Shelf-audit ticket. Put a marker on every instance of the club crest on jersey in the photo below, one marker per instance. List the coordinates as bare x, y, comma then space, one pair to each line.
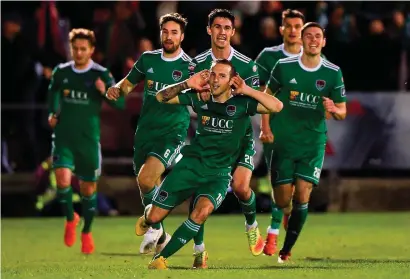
150, 84
205, 120
176, 75
320, 84
231, 110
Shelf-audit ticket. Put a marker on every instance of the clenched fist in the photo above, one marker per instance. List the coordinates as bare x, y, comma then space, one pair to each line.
113, 93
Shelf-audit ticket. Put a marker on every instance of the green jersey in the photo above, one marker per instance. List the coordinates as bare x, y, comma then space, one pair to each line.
302, 119
74, 97
221, 129
244, 66
159, 120
267, 59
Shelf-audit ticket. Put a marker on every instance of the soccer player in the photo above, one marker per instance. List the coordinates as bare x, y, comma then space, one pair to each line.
162, 129
221, 28
309, 87
76, 92
292, 23
205, 169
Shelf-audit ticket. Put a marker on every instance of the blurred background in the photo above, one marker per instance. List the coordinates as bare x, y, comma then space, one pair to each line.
367, 166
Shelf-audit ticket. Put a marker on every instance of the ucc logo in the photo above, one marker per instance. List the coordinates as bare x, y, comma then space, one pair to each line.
217, 122
304, 97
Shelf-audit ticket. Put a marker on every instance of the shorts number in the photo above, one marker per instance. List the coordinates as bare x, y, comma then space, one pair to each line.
219, 199
316, 173
249, 159
166, 154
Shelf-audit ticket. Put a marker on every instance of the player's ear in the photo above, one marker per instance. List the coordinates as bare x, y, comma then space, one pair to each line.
92, 50
233, 31
182, 36
324, 42
208, 30
281, 30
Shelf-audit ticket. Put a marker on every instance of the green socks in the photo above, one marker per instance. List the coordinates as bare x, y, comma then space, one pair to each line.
249, 209
89, 205
296, 221
147, 199
276, 218
181, 236
65, 196
199, 237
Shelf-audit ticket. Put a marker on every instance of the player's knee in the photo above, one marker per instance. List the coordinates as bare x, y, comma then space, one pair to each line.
154, 216
88, 188
63, 177
145, 182
241, 189
283, 202
200, 214
302, 193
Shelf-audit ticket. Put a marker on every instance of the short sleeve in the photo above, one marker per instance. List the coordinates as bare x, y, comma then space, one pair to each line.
137, 73
338, 93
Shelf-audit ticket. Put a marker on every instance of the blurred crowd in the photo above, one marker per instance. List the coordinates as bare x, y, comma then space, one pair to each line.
370, 41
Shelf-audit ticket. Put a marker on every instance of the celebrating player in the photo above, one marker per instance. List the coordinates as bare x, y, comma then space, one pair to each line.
292, 23
221, 29
205, 169
309, 87
76, 91
162, 129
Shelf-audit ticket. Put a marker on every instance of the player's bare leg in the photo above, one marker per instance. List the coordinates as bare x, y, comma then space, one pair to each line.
287, 211
148, 179
89, 205
282, 196
298, 217
246, 197
65, 196
203, 208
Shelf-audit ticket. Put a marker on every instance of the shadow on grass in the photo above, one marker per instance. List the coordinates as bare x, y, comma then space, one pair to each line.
266, 267
359, 261
111, 254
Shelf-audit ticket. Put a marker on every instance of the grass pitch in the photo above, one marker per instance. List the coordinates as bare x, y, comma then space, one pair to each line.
331, 246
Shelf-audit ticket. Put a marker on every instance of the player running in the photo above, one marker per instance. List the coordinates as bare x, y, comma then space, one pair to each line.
292, 23
309, 87
205, 169
162, 129
76, 92
221, 29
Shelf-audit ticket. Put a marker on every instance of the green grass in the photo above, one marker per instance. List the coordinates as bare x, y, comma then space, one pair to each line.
331, 246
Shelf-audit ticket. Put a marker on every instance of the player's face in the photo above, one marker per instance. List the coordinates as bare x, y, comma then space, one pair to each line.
291, 30
313, 41
81, 51
171, 37
221, 32
219, 79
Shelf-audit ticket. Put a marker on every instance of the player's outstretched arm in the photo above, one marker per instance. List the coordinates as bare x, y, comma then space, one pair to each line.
169, 95
54, 98
338, 110
267, 102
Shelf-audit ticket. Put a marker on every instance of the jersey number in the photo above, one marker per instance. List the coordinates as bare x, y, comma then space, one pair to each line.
249, 159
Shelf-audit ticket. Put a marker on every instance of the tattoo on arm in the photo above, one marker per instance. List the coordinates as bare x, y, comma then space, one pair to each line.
173, 90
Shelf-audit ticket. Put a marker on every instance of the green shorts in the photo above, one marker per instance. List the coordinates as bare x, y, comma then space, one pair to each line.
165, 150
246, 157
184, 182
83, 158
267, 152
300, 163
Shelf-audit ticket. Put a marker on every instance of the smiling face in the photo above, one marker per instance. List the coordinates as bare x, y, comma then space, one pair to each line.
171, 37
313, 41
221, 32
220, 78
